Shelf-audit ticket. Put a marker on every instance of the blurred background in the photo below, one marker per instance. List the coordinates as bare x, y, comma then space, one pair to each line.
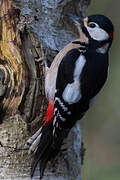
101, 125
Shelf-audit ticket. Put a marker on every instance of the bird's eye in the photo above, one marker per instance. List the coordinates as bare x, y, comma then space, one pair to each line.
92, 25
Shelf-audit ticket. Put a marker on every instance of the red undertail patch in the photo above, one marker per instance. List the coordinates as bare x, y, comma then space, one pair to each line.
49, 113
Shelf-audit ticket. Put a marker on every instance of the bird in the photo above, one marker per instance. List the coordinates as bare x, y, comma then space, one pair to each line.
72, 82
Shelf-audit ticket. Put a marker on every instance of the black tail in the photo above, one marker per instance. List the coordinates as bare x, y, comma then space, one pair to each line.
43, 150
45, 146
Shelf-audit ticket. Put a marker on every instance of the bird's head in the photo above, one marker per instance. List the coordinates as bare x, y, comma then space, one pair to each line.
97, 27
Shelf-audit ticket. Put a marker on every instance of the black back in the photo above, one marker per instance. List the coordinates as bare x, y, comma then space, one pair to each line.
92, 79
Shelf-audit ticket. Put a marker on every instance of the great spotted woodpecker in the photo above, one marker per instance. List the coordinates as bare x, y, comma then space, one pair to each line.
75, 77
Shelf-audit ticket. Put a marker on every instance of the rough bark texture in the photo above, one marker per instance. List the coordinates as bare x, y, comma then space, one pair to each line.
27, 29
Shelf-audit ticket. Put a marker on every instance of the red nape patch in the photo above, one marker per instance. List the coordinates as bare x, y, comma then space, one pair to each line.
49, 113
111, 35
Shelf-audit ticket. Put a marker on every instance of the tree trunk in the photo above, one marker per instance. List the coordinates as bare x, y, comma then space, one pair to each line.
29, 32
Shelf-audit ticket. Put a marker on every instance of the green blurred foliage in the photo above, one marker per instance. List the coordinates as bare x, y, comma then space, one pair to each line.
101, 125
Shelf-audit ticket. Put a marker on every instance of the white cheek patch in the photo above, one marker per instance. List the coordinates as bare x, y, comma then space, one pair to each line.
71, 93
97, 33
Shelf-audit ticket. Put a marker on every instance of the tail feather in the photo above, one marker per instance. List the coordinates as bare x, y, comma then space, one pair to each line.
42, 167
34, 145
46, 147
33, 138
43, 151
37, 157
33, 166
45, 160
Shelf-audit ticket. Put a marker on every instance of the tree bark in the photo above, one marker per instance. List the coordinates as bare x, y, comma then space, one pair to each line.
29, 32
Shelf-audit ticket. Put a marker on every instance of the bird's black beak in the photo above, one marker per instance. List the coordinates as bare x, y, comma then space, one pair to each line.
77, 20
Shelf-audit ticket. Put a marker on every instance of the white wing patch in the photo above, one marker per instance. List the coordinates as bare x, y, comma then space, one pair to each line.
71, 93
